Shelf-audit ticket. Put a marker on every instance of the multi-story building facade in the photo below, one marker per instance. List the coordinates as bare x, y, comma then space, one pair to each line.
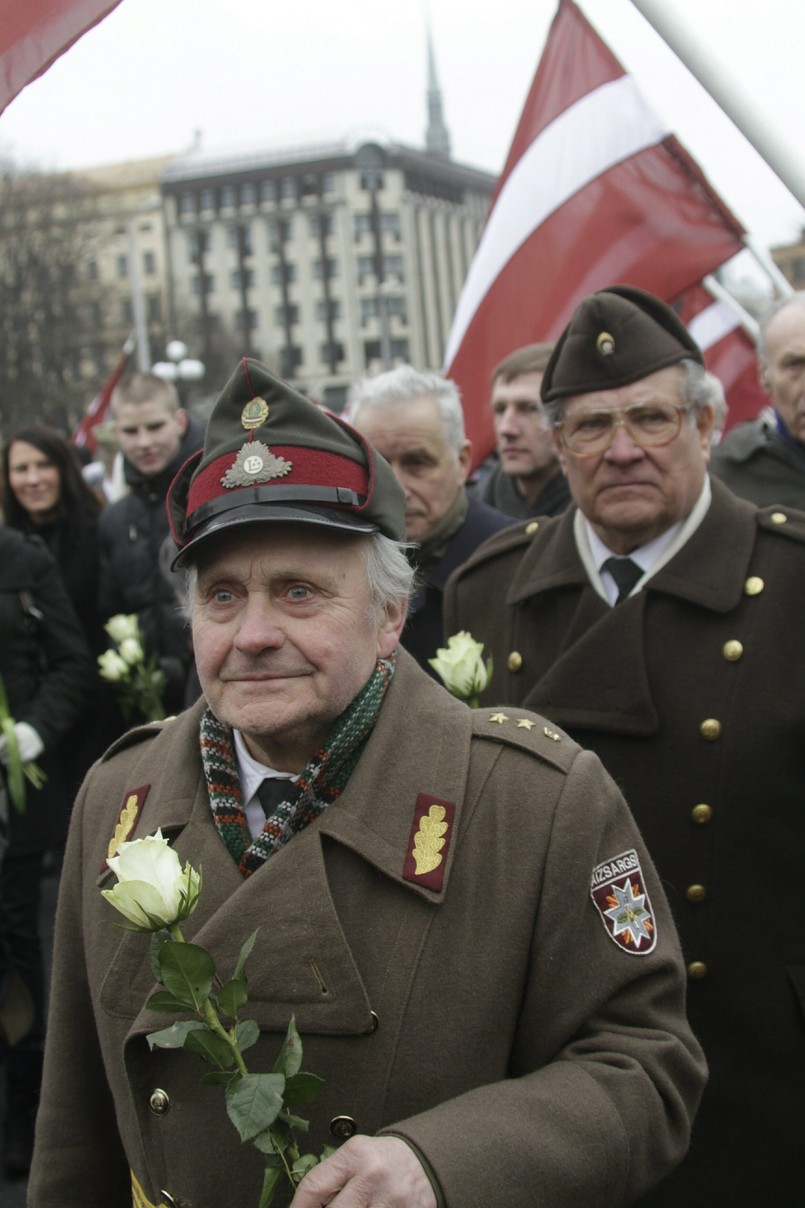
326, 262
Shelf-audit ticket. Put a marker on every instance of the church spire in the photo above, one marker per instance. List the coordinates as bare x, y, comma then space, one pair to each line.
437, 136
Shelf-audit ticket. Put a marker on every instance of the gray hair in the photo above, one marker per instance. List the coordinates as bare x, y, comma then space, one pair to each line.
696, 391
795, 299
389, 576
406, 384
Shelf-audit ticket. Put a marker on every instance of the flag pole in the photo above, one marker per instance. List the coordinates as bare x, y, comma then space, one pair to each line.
721, 294
726, 94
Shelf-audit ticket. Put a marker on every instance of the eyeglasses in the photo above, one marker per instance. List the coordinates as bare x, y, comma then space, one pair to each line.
587, 433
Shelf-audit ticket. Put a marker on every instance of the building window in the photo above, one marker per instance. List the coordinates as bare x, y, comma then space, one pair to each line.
127, 310
393, 267
149, 264
197, 241
321, 309
291, 360
288, 188
247, 320
328, 182
368, 310
209, 283
122, 266
243, 280
328, 267
289, 274
187, 203
240, 237
208, 199
154, 304
389, 224
321, 224
280, 232
399, 350
92, 270
286, 314
362, 224
397, 306
228, 197
328, 352
366, 268
268, 190
248, 194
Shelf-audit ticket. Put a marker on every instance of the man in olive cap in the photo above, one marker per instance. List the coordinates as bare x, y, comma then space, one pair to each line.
659, 621
456, 906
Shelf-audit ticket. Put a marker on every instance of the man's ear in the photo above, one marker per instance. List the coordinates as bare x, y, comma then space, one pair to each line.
763, 376
465, 458
559, 445
182, 420
390, 628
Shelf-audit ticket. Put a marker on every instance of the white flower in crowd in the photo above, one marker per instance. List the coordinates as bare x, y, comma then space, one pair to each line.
122, 626
152, 891
131, 651
461, 667
112, 666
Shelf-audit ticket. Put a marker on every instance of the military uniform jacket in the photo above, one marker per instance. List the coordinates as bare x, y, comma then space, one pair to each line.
693, 694
760, 465
491, 1019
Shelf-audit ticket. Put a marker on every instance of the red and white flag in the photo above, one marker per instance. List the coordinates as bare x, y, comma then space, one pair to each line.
729, 351
98, 410
35, 32
595, 192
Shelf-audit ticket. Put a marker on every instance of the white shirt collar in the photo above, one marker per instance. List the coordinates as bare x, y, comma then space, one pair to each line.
252, 773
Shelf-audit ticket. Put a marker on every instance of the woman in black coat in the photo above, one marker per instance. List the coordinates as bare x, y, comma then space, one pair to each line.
44, 493
48, 674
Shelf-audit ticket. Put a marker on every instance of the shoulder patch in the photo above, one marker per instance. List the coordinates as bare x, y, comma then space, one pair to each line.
783, 521
528, 731
620, 896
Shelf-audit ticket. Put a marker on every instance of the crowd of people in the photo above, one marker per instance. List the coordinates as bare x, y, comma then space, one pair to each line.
514, 939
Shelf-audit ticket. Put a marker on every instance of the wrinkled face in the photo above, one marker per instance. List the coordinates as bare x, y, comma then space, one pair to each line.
35, 481
524, 440
631, 495
411, 437
285, 635
782, 373
149, 434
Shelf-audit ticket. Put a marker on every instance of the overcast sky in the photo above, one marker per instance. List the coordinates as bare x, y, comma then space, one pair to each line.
252, 72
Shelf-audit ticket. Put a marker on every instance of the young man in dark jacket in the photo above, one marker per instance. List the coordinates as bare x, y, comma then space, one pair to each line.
156, 437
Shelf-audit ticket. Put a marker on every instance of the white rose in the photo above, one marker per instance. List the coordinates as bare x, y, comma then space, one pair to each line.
461, 666
131, 651
122, 626
112, 667
152, 890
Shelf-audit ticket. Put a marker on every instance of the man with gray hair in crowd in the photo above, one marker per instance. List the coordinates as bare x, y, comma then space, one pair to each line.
659, 622
416, 422
763, 460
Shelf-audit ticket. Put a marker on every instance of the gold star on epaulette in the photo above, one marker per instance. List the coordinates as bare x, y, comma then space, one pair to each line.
525, 723
498, 718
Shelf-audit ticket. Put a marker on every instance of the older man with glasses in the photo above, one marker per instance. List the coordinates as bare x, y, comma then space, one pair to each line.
659, 621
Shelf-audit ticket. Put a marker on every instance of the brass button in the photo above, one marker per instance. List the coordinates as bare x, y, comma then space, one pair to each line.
753, 586
702, 813
166, 1199
710, 729
343, 1127
159, 1102
514, 661
732, 650
532, 528
697, 970
695, 893
778, 518
374, 1025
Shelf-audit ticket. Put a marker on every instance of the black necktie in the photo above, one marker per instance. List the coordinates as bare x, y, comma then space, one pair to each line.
625, 572
272, 792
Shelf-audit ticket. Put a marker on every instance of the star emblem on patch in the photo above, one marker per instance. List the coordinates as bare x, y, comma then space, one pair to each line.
255, 463
618, 891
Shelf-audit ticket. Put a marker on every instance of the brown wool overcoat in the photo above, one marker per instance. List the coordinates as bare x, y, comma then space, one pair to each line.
527, 1056
692, 693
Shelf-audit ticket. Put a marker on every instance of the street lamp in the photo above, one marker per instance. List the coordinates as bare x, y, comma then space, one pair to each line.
178, 368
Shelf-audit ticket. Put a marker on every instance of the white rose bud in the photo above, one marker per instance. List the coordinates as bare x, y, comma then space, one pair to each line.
112, 667
152, 889
461, 666
131, 651
122, 626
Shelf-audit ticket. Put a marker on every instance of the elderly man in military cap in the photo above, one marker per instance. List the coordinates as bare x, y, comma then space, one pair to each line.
659, 622
455, 905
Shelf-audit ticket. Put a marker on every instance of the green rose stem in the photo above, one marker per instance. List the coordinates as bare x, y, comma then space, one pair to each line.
211, 1017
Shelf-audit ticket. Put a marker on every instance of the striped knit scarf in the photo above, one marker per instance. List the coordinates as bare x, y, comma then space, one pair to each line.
318, 785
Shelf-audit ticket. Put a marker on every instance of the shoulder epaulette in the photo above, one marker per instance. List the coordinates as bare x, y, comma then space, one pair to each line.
784, 521
528, 732
133, 738
516, 536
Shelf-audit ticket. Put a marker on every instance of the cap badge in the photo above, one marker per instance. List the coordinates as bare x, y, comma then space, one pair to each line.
254, 414
255, 463
605, 344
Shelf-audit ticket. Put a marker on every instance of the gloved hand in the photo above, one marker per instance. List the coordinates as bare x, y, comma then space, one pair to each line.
28, 741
